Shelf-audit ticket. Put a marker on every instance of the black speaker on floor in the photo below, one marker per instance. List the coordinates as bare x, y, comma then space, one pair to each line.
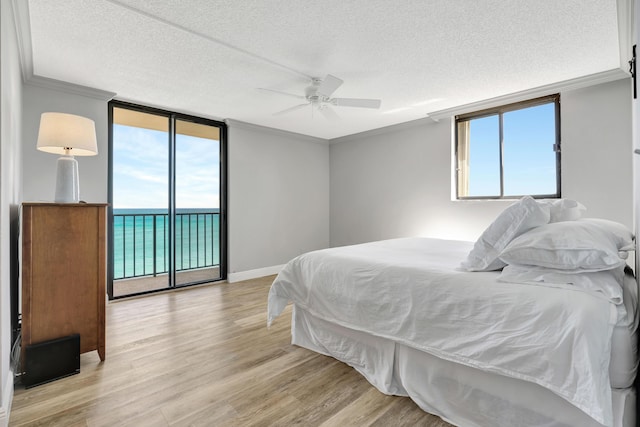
50, 360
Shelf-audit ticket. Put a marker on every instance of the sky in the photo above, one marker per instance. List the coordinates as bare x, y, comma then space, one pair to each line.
529, 157
140, 170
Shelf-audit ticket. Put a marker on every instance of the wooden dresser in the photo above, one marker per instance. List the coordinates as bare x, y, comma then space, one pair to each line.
64, 273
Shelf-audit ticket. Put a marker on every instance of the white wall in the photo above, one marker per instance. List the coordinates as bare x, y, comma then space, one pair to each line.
278, 197
597, 150
40, 167
10, 192
396, 182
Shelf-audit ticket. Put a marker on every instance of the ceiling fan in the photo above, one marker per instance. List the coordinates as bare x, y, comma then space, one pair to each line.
318, 95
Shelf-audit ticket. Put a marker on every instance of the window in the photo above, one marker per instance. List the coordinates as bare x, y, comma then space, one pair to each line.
509, 151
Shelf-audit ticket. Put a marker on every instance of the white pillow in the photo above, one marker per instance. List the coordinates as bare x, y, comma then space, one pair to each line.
564, 209
521, 216
607, 284
577, 246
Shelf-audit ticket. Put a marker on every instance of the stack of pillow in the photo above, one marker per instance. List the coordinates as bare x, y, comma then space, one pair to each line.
547, 243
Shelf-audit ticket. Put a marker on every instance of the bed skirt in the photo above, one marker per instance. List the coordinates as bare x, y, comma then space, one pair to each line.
459, 394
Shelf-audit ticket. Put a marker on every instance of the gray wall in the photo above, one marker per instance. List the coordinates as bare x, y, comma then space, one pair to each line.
289, 193
397, 182
40, 167
278, 196
10, 193
278, 181
597, 150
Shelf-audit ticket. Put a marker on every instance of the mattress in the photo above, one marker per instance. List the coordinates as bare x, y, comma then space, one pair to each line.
624, 340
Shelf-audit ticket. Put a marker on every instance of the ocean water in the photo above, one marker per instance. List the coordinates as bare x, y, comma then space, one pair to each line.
141, 240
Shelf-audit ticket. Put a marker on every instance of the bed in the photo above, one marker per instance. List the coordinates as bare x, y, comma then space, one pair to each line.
475, 347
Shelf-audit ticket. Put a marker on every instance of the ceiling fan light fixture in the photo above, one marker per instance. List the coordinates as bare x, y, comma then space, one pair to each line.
318, 95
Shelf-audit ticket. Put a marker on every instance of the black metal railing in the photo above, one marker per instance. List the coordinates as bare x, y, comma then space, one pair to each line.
141, 243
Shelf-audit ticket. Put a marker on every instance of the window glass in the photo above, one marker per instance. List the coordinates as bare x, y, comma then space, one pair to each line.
484, 156
509, 151
529, 156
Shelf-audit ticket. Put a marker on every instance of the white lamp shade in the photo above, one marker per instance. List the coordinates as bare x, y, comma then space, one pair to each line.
62, 133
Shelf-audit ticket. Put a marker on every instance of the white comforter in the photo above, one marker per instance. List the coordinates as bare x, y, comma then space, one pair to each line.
411, 291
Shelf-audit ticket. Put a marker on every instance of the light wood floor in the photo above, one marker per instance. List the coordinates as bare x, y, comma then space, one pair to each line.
204, 357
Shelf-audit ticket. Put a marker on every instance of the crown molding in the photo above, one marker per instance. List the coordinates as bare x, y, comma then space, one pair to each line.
23, 33
25, 53
625, 9
168, 109
563, 86
61, 86
232, 123
380, 131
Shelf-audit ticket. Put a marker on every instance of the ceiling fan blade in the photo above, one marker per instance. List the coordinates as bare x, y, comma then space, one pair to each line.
329, 85
282, 93
290, 109
356, 102
329, 113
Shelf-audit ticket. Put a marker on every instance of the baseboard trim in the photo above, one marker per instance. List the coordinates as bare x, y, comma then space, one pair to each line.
254, 274
7, 399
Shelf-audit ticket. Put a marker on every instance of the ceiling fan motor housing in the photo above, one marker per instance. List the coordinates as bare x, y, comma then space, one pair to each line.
311, 92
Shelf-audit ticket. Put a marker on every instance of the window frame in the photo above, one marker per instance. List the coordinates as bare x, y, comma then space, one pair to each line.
173, 117
500, 111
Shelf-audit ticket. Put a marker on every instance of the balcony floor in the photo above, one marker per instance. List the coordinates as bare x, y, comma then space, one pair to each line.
124, 287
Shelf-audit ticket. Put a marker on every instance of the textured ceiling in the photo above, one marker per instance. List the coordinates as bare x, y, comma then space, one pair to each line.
209, 57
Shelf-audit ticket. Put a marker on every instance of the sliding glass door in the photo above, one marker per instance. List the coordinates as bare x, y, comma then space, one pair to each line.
197, 201
167, 200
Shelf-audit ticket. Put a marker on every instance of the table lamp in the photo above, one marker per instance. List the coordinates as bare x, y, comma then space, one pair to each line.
68, 135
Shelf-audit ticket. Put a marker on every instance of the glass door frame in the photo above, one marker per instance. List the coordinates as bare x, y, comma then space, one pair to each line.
172, 117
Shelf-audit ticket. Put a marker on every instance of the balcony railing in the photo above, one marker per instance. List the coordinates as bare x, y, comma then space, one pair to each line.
141, 243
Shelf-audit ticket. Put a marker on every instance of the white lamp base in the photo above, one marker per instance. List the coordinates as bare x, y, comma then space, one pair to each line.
67, 185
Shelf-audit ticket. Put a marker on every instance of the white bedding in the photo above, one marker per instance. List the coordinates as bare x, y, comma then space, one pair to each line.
459, 394
410, 291
624, 341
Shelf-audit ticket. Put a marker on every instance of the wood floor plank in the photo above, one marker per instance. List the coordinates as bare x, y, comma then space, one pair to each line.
362, 411
204, 357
